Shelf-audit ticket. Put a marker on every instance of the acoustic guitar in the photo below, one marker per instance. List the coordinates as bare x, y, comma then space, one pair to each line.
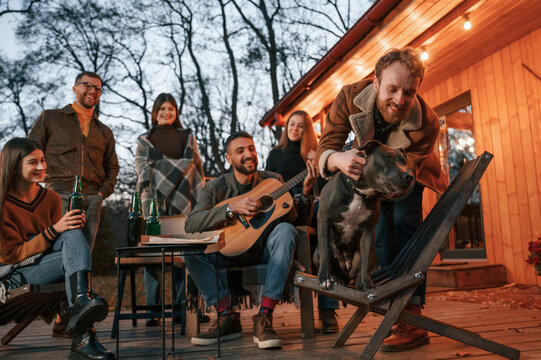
276, 202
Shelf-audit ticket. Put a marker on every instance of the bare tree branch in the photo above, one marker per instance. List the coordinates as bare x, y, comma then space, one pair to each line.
234, 73
269, 43
176, 62
8, 10
205, 103
137, 77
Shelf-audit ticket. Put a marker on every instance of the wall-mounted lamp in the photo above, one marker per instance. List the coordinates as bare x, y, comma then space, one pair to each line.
424, 53
467, 22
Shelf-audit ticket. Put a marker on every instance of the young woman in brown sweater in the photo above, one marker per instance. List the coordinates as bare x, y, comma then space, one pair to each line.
38, 245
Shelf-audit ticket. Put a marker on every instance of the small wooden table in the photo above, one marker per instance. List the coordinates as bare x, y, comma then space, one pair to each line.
163, 251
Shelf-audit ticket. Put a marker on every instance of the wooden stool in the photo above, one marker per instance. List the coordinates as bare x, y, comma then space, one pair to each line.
131, 264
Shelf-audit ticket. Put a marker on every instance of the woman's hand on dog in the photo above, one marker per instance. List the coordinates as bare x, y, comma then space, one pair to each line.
350, 163
245, 206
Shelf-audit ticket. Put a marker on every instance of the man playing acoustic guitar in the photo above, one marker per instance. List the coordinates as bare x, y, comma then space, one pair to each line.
275, 250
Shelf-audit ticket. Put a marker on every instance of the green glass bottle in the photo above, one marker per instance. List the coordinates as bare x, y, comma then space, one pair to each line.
141, 219
76, 197
136, 222
153, 223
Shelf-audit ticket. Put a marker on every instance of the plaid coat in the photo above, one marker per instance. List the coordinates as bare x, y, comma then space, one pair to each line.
174, 183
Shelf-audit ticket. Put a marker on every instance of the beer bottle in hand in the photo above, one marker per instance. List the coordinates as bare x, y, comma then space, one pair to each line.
136, 222
76, 197
153, 223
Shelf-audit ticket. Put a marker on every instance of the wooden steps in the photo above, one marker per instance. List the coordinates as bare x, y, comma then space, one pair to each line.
466, 276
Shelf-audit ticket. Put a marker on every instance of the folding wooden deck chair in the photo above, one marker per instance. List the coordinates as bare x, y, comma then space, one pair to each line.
27, 302
397, 282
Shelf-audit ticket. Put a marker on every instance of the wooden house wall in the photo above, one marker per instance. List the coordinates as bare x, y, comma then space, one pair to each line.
506, 103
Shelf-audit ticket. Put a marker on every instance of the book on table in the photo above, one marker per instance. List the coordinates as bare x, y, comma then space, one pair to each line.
213, 239
208, 237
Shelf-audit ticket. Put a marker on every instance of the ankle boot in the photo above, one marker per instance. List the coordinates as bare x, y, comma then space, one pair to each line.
85, 346
406, 336
86, 309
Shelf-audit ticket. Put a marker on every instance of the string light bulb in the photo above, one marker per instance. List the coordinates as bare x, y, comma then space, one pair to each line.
467, 22
424, 54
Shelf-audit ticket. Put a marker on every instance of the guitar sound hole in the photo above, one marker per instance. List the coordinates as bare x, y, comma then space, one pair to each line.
266, 202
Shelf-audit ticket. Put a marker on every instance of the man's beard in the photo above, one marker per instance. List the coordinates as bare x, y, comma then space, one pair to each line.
391, 118
88, 104
240, 168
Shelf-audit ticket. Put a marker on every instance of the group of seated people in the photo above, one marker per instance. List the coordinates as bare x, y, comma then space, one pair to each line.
41, 242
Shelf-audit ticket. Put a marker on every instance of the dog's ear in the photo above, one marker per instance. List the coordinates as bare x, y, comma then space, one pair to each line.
361, 153
369, 146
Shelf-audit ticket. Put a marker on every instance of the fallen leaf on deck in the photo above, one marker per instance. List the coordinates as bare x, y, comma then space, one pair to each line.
462, 353
516, 329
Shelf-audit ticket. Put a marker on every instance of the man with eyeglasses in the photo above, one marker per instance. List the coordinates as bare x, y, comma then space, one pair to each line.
77, 143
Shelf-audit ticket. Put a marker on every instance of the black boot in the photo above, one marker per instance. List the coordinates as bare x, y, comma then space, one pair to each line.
85, 346
86, 310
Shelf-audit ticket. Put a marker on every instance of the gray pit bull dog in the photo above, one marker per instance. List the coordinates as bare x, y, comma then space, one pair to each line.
348, 214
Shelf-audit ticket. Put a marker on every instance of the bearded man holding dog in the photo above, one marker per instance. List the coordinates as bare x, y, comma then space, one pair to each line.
389, 109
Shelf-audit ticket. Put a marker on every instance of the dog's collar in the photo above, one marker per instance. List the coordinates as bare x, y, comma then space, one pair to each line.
365, 194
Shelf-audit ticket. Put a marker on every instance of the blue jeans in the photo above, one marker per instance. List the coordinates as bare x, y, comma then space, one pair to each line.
152, 276
68, 254
277, 254
92, 207
397, 223
327, 303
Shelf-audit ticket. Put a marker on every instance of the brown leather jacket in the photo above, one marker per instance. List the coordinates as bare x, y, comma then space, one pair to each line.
68, 154
353, 110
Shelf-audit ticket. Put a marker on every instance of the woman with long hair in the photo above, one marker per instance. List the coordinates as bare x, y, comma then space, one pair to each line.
40, 246
296, 147
294, 152
170, 170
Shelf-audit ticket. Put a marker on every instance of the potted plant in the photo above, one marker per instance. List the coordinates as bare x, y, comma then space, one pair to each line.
534, 247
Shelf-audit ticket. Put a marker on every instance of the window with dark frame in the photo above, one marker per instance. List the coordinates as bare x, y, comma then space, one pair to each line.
456, 146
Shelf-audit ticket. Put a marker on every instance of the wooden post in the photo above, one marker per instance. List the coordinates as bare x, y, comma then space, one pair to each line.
305, 295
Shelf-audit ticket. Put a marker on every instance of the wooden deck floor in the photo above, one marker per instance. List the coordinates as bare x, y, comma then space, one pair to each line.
518, 328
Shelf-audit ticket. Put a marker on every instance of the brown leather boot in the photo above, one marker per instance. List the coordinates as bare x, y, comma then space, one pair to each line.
62, 319
406, 337
59, 328
329, 324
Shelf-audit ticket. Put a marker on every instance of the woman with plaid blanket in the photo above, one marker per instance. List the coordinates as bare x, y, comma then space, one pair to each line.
170, 170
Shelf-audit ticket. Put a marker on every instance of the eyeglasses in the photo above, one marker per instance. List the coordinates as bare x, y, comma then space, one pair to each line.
90, 86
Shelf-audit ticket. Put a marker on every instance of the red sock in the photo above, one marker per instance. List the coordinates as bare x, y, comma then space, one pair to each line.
224, 305
267, 305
